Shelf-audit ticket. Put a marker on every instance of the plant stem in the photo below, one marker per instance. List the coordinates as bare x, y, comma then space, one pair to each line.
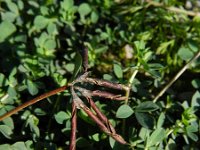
73, 127
173, 9
176, 77
33, 101
128, 93
130, 84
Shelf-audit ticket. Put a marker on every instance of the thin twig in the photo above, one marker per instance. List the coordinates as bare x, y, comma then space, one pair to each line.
73, 127
33, 101
176, 77
173, 9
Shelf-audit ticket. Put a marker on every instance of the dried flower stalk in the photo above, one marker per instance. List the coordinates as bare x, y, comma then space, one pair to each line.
73, 127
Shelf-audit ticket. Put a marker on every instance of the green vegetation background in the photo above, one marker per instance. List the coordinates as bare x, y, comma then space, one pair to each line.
139, 43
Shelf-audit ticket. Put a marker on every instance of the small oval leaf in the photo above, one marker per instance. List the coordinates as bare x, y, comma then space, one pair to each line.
118, 71
124, 111
32, 87
145, 120
61, 117
6, 131
157, 136
147, 106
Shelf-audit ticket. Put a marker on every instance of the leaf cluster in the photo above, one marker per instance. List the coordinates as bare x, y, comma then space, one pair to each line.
142, 44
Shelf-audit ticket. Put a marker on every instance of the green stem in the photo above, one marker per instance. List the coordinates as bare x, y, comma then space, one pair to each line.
128, 93
173, 9
176, 77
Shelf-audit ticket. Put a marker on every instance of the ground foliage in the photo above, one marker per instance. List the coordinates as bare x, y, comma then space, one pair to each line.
137, 43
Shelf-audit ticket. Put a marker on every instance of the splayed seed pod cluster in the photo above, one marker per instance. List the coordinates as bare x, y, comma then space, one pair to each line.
96, 115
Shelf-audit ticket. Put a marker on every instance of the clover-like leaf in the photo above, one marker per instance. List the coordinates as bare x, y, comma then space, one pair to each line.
124, 111
146, 106
7, 28
118, 71
32, 87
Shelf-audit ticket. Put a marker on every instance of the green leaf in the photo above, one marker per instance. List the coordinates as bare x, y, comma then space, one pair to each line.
33, 122
108, 77
84, 9
185, 53
144, 119
94, 17
193, 45
52, 29
3, 80
118, 71
32, 87
196, 99
156, 137
8, 28
67, 4
192, 128
12, 92
40, 22
195, 83
124, 111
50, 44
19, 146
193, 136
70, 67
140, 45
5, 147
96, 137
146, 106
144, 133
6, 131
12, 6
9, 122
161, 120
61, 116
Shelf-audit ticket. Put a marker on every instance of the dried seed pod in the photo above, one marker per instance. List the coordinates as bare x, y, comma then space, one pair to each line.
76, 99
104, 94
101, 125
95, 118
107, 84
118, 138
101, 115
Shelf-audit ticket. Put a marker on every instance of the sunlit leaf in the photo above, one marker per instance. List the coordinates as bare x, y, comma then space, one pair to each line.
185, 53
157, 136
32, 87
118, 71
6, 131
40, 22
124, 111
61, 117
84, 9
8, 29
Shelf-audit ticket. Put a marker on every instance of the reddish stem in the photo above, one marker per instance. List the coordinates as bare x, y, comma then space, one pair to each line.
33, 101
73, 127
